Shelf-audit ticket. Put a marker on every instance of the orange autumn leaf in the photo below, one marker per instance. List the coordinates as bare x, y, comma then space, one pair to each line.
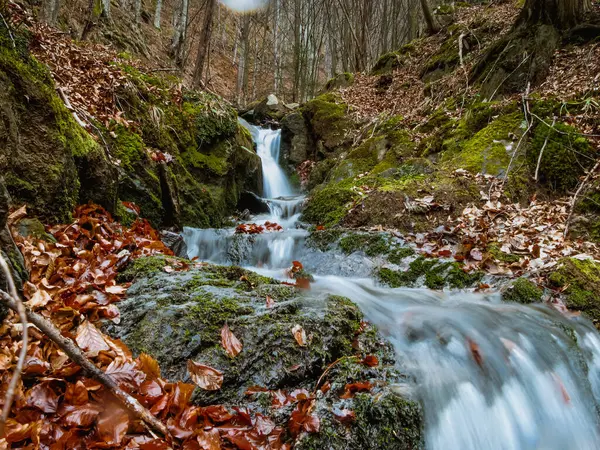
205, 377
230, 343
370, 361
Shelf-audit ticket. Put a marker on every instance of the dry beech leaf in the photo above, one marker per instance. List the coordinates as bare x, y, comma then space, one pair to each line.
230, 343
270, 302
299, 335
117, 290
205, 377
38, 299
90, 339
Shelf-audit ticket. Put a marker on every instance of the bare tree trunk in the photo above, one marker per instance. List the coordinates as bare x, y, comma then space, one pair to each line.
243, 66
95, 8
432, 26
562, 14
204, 44
106, 9
157, 12
137, 9
179, 34
50, 9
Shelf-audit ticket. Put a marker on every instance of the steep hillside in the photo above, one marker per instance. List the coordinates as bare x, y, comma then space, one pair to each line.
128, 136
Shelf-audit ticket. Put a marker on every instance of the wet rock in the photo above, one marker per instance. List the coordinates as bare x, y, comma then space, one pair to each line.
178, 316
253, 203
266, 111
296, 140
175, 242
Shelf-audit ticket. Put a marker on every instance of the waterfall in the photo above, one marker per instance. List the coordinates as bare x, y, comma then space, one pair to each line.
268, 144
489, 375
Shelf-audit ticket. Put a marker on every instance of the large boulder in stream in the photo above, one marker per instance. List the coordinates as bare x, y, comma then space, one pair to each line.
179, 316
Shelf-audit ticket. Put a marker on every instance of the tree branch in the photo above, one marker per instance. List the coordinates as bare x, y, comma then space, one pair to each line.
77, 356
20, 309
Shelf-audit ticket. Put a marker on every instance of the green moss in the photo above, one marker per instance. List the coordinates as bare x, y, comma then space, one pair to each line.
371, 244
580, 280
566, 155
329, 120
398, 255
522, 291
145, 267
328, 206
323, 239
486, 152
341, 80
498, 254
435, 275
128, 147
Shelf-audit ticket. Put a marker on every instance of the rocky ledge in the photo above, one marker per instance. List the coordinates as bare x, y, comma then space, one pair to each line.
178, 316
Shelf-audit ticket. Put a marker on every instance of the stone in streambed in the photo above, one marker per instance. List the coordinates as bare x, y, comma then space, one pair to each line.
178, 316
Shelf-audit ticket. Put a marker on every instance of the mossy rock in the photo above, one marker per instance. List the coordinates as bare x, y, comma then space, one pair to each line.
372, 244
50, 162
176, 317
391, 61
431, 273
328, 206
567, 155
328, 120
490, 150
580, 280
341, 80
522, 291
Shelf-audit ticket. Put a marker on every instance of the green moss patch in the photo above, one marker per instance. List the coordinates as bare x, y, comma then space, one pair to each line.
522, 291
433, 273
580, 281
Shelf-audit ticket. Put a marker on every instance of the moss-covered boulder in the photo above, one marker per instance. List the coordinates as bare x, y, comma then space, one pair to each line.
341, 80
579, 282
178, 316
267, 111
213, 159
328, 120
48, 161
522, 291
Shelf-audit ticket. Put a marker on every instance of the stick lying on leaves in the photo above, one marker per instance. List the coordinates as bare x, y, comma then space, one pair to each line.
20, 309
77, 356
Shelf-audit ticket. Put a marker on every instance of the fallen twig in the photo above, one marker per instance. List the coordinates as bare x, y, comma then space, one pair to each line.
77, 356
20, 309
539, 161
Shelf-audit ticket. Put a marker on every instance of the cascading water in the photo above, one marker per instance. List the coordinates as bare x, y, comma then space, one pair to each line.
490, 375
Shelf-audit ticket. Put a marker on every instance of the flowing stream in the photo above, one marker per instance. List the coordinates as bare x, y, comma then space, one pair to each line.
490, 375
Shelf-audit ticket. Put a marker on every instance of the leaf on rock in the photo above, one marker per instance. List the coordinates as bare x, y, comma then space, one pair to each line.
149, 366
230, 343
205, 377
370, 361
352, 388
302, 419
299, 335
344, 416
270, 302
